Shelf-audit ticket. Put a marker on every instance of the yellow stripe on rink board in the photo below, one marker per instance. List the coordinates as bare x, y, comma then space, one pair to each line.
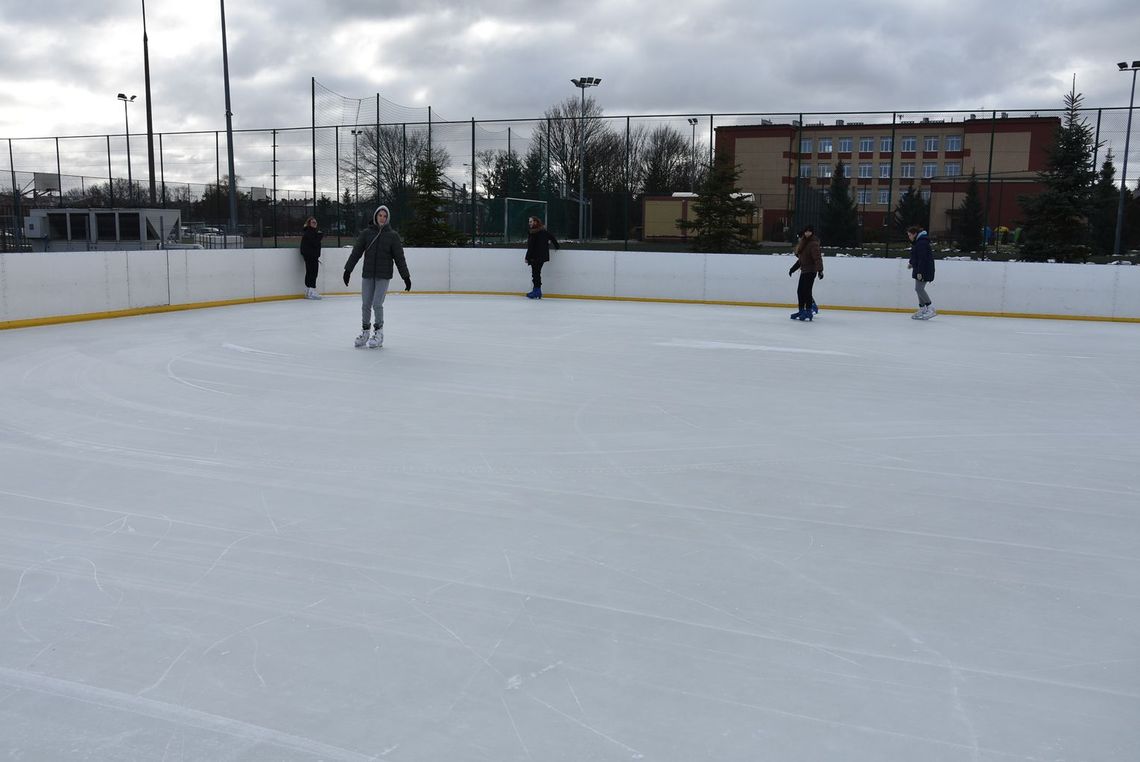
789, 305
85, 316
57, 319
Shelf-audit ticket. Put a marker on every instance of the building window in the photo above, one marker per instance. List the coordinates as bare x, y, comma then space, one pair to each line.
865, 169
929, 169
953, 142
129, 229
824, 170
863, 196
825, 145
106, 227
866, 145
79, 226
925, 193
57, 226
805, 145
910, 143
884, 170
886, 145
805, 170
907, 169
884, 196
953, 168
930, 143
845, 145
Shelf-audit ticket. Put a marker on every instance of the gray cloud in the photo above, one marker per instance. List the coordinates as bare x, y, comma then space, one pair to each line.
666, 56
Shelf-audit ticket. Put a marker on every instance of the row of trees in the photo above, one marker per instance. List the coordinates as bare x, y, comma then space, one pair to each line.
656, 160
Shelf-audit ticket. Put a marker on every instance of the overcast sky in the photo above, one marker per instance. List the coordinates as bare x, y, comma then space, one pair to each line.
63, 61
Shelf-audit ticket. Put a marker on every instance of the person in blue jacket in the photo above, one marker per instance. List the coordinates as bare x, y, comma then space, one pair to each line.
921, 266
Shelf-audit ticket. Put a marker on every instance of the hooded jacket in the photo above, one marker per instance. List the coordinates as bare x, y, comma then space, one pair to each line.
922, 258
381, 248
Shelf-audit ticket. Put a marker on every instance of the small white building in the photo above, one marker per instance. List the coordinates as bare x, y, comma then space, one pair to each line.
102, 229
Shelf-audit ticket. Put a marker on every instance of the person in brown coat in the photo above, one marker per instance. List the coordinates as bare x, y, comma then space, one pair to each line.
809, 261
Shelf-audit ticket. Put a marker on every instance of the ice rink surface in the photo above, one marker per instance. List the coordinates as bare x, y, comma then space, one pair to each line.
569, 530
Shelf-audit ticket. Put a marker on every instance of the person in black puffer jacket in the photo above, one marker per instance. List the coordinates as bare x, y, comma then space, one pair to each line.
311, 252
538, 245
921, 266
381, 248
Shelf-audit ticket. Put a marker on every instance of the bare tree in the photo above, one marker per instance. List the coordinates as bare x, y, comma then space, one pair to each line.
665, 161
384, 160
566, 125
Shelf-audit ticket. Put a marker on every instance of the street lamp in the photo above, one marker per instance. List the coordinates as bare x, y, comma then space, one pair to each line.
693, 155
582, 83
1123, 66
127, 122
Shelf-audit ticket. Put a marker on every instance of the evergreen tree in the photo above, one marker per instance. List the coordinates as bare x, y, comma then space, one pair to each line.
428, 224
911, 210
723, 218
971, 217
1056, 220
840, 218
1102, 215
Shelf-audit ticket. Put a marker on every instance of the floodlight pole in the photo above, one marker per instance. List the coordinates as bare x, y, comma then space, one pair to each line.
229, 124
1124, 171
693, 155
127, 127
149, 118
582, 83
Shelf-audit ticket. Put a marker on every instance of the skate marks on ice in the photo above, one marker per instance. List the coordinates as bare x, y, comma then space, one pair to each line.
700, 344
179, 715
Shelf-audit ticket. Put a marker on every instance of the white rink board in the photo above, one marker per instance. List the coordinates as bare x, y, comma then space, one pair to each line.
57, 284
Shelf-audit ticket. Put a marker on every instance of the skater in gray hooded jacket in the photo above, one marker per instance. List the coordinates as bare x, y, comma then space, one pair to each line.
381, 248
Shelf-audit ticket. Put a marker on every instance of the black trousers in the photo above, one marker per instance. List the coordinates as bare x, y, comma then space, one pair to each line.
803, 292
536, 273
311, 265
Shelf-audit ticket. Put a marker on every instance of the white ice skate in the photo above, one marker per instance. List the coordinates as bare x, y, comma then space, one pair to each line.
929, 313
376, 340
361, 340
919, 315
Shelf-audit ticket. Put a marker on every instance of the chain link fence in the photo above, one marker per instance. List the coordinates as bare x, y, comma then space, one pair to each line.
590, 176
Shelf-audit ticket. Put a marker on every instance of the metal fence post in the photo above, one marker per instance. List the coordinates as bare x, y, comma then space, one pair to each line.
16, 197
989, 178
110, 178
58, 174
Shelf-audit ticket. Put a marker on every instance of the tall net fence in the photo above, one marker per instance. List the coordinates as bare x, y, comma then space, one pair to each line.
593, 177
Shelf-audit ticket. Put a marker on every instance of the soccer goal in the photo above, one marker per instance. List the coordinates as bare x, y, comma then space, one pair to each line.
516, 211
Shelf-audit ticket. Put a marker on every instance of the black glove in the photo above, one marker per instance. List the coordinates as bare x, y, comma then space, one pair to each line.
408, 284
347, 274
792, 270
821, 275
